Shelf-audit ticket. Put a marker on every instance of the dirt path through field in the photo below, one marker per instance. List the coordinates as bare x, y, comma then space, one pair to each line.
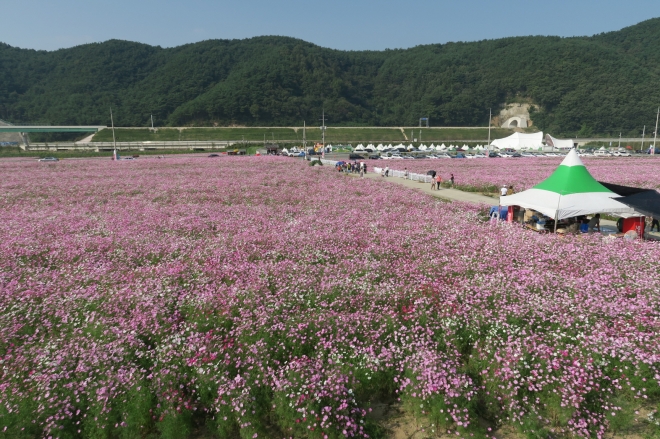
449, 194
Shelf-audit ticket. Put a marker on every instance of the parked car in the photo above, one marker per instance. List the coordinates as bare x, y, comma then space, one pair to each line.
493, 155
355, 157
459, 155
443, 155
214, 155
602, 153
374, 157
527, 154
49, 159
516, 154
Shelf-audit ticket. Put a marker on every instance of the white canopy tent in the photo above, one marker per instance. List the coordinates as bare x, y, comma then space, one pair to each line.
558, 143
519, 141
570, 191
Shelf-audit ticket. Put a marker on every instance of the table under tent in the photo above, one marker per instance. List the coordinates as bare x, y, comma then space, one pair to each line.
569, 193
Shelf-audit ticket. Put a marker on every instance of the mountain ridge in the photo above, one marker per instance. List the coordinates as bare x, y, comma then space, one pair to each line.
604, 83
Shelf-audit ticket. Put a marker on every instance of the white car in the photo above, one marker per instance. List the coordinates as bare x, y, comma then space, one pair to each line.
443, 155
527, 154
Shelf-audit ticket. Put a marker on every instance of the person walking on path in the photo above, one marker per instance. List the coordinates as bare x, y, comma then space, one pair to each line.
452, 180
510, 190
503, 191
438, 181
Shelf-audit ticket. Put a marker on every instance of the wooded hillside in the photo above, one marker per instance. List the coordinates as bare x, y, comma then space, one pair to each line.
603, 84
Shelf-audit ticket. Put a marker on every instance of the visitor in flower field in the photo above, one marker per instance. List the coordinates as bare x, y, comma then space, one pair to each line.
432, 174
503, 191
452, 180
594, 223
387, 171
438, 181
510, 190
405, 173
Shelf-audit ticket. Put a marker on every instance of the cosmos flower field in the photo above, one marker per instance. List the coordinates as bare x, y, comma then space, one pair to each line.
261, 297
523, 173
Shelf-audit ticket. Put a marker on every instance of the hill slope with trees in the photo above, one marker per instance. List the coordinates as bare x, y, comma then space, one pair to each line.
604, 84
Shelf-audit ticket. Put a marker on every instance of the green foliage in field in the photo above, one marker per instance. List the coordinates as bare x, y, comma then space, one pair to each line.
603, 84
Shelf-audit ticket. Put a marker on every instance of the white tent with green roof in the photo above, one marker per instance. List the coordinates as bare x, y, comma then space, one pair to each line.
570, 191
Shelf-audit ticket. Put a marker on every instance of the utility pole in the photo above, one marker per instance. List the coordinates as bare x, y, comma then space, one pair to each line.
619, 141
490, 116
643, 132
114, 140
305, 137
655, 134
152, 122
323, 134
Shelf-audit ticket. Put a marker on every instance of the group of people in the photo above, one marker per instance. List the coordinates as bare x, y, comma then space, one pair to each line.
436, 180
504, 191
576, 224
352, 168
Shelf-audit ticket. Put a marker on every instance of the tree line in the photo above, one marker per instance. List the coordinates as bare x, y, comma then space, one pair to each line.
604, 84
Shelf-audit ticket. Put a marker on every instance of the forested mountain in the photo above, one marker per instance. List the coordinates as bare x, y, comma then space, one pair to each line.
605, 84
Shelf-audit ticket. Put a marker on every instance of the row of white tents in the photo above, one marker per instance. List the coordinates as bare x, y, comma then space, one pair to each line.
516, 141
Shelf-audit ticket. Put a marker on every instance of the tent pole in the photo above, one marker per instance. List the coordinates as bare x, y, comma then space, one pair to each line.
557, 213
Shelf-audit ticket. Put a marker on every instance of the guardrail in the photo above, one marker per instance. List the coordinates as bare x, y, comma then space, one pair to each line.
133, 145
405, 174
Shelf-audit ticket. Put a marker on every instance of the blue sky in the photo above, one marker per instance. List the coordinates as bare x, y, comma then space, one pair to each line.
338, 24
